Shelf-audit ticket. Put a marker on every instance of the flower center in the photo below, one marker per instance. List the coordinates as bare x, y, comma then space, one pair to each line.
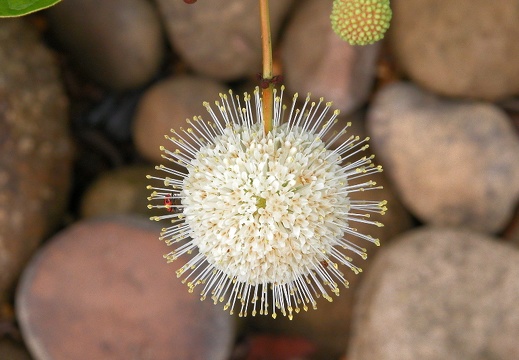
261, 203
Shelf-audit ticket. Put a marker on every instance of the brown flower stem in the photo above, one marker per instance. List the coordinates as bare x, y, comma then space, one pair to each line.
266, 42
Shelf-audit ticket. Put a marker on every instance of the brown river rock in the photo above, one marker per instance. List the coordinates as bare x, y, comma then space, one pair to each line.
118, 43
120, 191
101, 289
35, 148
165, 106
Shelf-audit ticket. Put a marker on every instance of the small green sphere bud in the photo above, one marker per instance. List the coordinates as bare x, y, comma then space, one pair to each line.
361, 22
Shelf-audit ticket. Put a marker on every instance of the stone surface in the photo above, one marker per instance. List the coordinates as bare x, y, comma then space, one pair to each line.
317, 60
220, 38
166, 106
452, 162
35, 149
328, 327
105, 285
439, 293
117, 43
462, 48
120, 191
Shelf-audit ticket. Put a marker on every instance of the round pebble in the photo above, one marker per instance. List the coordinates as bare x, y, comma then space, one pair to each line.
220, 38
452, 162
166, 106
117, 43
439, 293
102, 290
462, 48
120, 191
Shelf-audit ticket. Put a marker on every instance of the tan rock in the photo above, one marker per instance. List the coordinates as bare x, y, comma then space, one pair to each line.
166, 106
105, 285
220, 38
439, 293
465, 48
452, 162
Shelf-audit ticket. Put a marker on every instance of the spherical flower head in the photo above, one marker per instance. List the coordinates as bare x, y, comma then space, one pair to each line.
264, 215
361, 22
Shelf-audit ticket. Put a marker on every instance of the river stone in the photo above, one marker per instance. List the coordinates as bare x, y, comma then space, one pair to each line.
166, 106
452, 162
35, 147
317, 60
119, 191
220, 38
105, 284
464, 48
328, 327
117, 43
439, 293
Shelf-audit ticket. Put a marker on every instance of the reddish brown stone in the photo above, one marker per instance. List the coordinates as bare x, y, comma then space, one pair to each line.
101, 290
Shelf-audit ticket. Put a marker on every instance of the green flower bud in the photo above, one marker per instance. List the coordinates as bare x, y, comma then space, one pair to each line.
361, 22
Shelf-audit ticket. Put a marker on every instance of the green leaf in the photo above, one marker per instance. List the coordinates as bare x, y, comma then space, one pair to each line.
12, 8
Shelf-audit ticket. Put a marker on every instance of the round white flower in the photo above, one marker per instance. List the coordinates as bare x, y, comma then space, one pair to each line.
265, 214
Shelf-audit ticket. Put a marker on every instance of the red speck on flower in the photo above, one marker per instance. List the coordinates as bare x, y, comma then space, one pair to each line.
168, 203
